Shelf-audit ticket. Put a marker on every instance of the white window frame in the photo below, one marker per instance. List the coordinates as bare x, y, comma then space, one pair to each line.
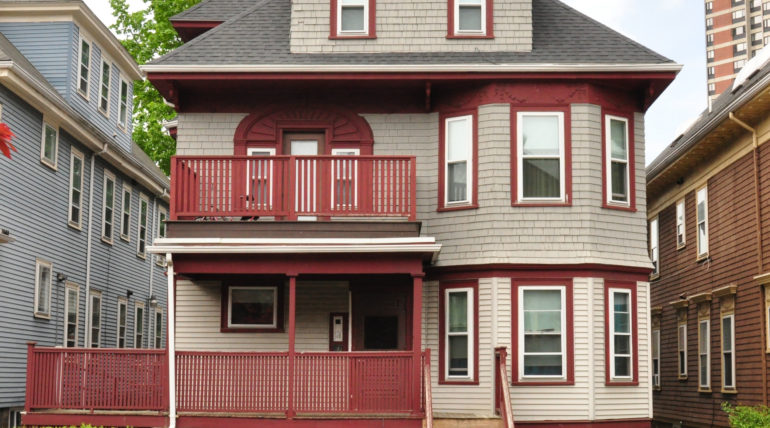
681, 350
158, 329
655, 246
731, 351
139, 335
482, 4
125, 215
71, 287
707, 354
702, 247
108, 63
655, 369
230, 324
681, 222
94, 294
108, 176
39, 265
471, 328
352, 3
610, 160
75, 153
51, 163
123, 106
469, 160
520, 117
139, 241
122, 302
80, 66
522, 333
612, 293
160, 259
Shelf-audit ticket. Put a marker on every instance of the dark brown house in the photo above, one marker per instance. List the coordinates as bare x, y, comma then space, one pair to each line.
709, 220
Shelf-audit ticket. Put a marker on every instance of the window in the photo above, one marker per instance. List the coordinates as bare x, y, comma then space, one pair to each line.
458, 160
108, 206
756, 22
654, 248
352, 16
756, 4
76, 187
43, 285
470, 18
540, 157
656, 358
737, 65
756, 39
104, 93
739, 15
740, 48
680, 230
95, 319
766, 7
621, 336
252, 308
458, 330
704, 357
162, 217
681, 346
71, 303
138, 325
709, 6
158, 328
125, 224
709, 23
702, 213
123, 107
542, 337
618, 161
49, 149
84, 67
709, 39
739, 32
141, 235
712, 88
728, 353
122, 316
710, 55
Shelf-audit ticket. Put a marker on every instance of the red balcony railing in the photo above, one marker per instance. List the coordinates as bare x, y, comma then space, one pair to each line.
291, 187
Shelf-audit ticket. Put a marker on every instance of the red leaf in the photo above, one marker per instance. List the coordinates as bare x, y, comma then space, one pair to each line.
5, 140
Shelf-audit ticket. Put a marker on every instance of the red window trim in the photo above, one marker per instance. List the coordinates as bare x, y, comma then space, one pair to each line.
443, 286
570, 330
634, 333
333, 35
490, 13
631, 161
223, 328
442, 206
566, 110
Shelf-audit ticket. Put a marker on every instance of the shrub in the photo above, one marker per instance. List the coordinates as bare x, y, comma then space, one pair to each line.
747, 416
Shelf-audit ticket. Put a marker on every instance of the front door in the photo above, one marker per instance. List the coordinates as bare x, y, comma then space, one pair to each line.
381, 318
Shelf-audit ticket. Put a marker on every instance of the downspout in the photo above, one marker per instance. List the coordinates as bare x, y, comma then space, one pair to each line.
760, 255
87, 341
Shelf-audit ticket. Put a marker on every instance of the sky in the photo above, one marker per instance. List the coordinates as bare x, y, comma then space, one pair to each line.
673, 28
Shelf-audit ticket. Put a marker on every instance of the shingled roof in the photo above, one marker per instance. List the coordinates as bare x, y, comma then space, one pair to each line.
260, 35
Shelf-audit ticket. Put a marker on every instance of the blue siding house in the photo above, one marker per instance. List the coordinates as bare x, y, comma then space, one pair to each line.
80, 201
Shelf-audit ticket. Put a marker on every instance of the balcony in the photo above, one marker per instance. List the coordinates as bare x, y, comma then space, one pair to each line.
222, 188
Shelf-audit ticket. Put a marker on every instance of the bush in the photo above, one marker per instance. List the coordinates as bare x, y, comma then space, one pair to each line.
747, 416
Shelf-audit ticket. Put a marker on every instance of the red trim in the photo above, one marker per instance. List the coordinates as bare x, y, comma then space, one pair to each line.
212, 421
570, 330
521, 271
490, 13
189, 30
442, 206
631, 161
442, 330
372, 34
566, 110
614, 423
224, 305
634, 333
65, 419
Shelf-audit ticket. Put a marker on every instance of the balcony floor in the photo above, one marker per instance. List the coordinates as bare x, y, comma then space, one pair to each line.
293, 229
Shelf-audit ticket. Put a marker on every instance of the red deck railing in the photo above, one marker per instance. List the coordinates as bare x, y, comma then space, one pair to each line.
96, 379
289, 187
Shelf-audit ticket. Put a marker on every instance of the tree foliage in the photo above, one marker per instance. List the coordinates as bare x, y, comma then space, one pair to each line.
747, 416
147, 34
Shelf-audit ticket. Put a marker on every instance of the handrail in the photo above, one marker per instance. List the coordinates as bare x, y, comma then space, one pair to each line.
506, 409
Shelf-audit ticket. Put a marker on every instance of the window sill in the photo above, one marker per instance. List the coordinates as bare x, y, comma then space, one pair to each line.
141, 256
106, 114
106, 241
536, 204
48, 164
125, 238
618, 207
458, 382
542, 382
84, 96
705, 390
681, 247
250, 330
654, 277
656, 389
470, 36
354, 37
42, 316
730, 391
702, 258
682, 377
457, 207
622, 383
74, 225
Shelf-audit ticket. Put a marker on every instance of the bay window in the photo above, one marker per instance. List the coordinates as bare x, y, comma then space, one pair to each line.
458, 160
617, 149
540, 157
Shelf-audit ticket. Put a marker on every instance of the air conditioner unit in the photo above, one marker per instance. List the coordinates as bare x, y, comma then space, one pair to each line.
5, 236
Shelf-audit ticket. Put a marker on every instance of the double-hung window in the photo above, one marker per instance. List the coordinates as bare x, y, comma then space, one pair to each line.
702, 213
681, 347
656, 358
125, 223
542, 333
728, 352
71, 304
352, 17
76, 188
540, 156
458, 331
84, 67
108, 208
654, 247
104, 89
458, 160
158, 328
704, 355
43, 283
680, 230
162, 217
618, 161
122, 319
95, 319
123, 104
141, 233
621, 328
139, 325
49, 148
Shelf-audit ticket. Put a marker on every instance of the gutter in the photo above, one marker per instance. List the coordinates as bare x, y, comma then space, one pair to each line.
90, 238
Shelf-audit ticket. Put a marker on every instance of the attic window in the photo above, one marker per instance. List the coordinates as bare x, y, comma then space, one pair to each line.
469, 19
352, 19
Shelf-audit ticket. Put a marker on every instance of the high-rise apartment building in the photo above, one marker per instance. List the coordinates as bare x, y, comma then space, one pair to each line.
735, 31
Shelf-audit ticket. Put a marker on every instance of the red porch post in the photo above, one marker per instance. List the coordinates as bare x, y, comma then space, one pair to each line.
292, 331
30, 371
417, 338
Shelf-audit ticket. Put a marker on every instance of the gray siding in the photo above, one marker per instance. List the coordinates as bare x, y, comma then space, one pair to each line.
33, 206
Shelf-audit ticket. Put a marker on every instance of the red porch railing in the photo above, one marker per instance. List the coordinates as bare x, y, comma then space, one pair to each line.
502, 390
293, 186
96, 379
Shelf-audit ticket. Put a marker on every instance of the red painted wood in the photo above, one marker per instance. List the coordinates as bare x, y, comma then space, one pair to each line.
417, 338
292, 337
230, 422
61, 419
502, 389
323, 186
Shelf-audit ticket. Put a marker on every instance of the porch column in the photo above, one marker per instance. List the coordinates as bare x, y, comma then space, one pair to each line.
171, 342
417, 338
292, 334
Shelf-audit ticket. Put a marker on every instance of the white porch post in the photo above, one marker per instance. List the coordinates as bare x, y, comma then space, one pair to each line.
171, 343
